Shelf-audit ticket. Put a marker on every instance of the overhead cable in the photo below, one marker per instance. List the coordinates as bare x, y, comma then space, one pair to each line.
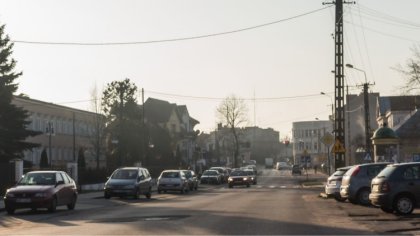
168, 40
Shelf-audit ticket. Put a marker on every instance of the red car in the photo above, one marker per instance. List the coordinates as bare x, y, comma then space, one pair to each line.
42, 189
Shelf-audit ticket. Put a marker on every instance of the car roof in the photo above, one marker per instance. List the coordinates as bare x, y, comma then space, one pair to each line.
45, 171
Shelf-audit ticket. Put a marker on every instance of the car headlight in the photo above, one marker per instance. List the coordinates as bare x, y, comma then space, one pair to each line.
41, 194
10, 195
230, 179
245, 179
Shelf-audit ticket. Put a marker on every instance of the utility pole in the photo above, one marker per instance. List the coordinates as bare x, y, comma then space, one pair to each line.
368, 149
339, 124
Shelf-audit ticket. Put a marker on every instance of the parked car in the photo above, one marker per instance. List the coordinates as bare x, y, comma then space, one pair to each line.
42, 189
332, 188
355, 185
239, 177
251, 175
129, 181
172, 180
192, 179
397, 188
296, 170
211, 177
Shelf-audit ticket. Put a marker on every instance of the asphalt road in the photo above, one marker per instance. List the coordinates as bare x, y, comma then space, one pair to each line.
278, 204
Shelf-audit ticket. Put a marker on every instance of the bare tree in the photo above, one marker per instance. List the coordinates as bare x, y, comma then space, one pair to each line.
233, 112
98, 134
411, 72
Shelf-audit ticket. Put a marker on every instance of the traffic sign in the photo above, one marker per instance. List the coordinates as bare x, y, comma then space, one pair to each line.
338, 147
327, 139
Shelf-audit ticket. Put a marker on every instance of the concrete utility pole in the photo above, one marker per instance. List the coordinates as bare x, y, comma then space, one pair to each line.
339, 124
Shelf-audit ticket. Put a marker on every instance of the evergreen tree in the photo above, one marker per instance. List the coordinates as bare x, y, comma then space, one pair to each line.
13, 119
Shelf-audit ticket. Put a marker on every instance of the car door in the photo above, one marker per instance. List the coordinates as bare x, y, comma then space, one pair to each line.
60, 189
411, 180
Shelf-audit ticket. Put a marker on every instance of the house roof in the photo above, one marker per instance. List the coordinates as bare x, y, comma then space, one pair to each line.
410, 128
398, 103
158, 110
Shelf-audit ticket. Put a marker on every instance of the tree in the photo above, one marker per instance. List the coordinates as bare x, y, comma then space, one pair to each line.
123, 119
13, 119
411, 72
98, 133
233, 112
43, 164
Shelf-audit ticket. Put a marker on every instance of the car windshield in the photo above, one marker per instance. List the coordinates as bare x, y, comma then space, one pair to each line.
170, 174
125, 174
237, 173
249, 172
38, 179
210, 173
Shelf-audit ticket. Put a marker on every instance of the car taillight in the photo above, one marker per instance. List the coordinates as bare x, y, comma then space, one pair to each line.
385, 187
356, 171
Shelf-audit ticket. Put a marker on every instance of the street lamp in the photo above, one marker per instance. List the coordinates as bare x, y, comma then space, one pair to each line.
49, 130
367, 119
352, 67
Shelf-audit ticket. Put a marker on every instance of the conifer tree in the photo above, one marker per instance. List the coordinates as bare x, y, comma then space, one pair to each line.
13, 119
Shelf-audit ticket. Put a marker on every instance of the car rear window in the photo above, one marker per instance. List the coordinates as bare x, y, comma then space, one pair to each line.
387, 171
170, 174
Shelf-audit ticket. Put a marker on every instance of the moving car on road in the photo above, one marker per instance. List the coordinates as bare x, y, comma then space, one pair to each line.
296, 170
172, 180
129, 181
192, 179
239, 177
251, 175
397, 188
42, 189
211, 177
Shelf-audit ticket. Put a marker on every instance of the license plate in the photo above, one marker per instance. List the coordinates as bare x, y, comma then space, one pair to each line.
23, 200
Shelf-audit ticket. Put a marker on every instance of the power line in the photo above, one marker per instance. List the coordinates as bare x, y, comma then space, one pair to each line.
169, 40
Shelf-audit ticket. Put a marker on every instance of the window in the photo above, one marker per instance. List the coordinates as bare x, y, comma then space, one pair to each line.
411, 173
59, 177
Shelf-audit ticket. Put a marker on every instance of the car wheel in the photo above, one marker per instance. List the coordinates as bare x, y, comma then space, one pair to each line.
363, 196
149, 194
196, 187
159, 191
10, 210
73, 203
338, 198
137, 194
53, 205
107, 196
386, 209
404, 205
230, 186
247, 185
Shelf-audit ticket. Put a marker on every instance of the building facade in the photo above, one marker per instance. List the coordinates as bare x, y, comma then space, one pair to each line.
65, 131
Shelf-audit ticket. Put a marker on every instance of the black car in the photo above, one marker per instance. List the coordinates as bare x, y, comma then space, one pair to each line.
296, 170
239, 177
211, 177
397, 188
129, 181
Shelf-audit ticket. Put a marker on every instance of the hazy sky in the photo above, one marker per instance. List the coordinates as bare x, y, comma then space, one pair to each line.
279, 68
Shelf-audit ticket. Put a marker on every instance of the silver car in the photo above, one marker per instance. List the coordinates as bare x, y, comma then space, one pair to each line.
332, 188
355, 185
172, 180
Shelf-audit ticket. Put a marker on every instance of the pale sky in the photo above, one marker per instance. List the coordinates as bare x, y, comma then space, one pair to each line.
284, 65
